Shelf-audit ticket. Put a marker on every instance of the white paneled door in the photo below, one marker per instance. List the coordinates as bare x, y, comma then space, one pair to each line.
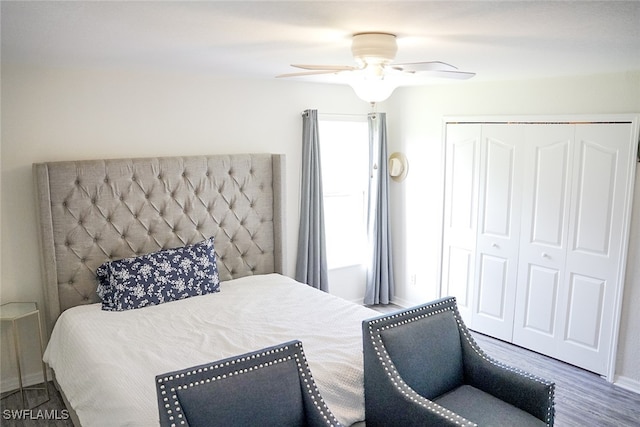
548, 152
460, 215
543, 264
498, 229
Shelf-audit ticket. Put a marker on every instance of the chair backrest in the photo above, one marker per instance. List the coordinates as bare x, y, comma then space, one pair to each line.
273, 386
423, 343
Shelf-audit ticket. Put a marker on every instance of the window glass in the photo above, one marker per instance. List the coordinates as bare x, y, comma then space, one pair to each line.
344, 147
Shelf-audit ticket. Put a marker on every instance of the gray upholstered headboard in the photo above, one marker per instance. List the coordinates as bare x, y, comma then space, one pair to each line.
94, 211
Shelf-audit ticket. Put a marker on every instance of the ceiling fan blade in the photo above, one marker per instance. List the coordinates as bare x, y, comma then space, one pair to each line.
325, 67
309, 73
435, 69
425, 66
460, 75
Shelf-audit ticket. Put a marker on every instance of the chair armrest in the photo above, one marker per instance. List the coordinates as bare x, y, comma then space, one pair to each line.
317, 413
519, 388
389, 400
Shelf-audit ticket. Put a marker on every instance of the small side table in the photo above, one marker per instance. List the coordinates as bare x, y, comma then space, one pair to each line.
12, 312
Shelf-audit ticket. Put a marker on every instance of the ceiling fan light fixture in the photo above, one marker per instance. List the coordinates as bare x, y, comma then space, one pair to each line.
373, 90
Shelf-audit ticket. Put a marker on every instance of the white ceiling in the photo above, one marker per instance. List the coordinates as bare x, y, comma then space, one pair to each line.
496, 39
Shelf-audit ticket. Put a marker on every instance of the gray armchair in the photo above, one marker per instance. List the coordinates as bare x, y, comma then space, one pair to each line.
269, 387
423, 368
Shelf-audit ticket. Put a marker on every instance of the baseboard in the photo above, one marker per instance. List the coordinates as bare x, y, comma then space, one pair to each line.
627, 384
400, 302
28, 380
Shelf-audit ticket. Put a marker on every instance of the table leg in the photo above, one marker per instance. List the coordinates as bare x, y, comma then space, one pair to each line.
44, 366
16, 341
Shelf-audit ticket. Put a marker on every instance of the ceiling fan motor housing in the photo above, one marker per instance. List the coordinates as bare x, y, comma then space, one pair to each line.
374, 48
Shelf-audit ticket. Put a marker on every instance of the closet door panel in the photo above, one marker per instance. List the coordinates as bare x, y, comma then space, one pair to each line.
460, 214
544, 233
541, 300
586, 299
498, 171
595, 179
459, 276
494, 281
498, 229
549, 198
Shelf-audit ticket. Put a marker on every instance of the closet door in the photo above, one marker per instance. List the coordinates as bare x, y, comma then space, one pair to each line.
544, 266
589, 303
460, 214
498, 229
548, 152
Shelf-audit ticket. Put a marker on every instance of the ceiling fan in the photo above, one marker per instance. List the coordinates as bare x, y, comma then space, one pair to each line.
375, 70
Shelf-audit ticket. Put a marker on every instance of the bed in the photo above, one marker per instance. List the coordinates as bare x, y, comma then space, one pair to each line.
100, 211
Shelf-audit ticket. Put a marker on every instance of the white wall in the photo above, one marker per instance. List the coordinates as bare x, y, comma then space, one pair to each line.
61, 114
415, 127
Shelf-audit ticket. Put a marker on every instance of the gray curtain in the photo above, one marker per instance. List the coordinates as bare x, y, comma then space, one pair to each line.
380, 283
311, 264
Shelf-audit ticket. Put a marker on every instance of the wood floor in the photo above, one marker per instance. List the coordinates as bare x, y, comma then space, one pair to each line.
582, 399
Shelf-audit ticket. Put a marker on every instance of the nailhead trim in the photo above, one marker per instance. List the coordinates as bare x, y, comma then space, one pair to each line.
423, 312
172, 404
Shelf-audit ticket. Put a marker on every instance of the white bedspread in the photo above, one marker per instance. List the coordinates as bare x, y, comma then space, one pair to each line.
106, 362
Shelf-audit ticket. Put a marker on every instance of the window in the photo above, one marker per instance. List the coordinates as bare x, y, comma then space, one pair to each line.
344, 147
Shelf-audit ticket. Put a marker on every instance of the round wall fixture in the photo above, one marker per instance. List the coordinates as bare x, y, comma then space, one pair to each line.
398, 167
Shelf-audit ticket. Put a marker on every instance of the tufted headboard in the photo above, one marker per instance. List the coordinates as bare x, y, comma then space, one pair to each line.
93, 211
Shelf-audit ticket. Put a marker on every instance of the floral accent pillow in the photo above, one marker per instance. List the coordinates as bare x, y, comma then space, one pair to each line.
158, 277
